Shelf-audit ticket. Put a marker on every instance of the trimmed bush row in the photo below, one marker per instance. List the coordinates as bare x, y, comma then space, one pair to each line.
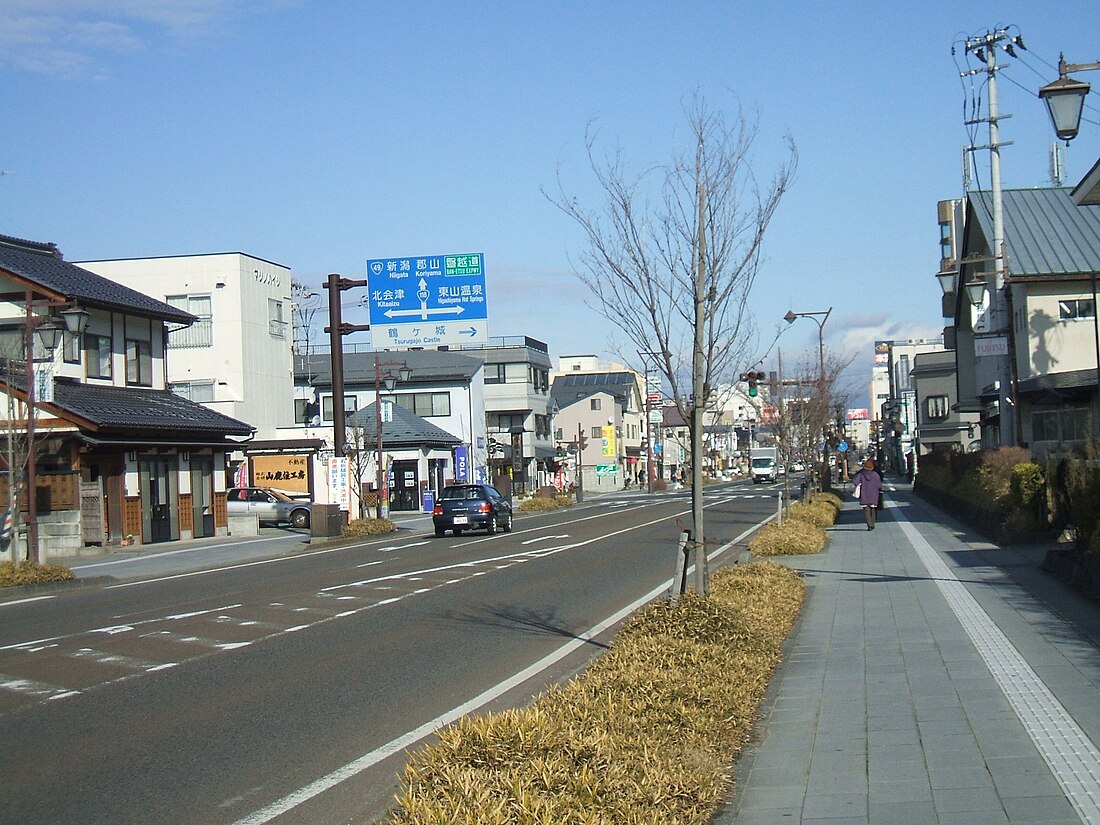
803, 532
31, 573
646, 735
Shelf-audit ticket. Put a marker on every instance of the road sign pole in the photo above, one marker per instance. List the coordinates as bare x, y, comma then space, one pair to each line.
580, 464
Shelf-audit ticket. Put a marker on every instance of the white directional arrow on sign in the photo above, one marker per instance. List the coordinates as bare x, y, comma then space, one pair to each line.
423, 312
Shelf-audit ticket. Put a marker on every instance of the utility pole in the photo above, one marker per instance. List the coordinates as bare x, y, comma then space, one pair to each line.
984, 47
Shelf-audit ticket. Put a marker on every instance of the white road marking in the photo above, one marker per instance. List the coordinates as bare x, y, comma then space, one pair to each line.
409, 739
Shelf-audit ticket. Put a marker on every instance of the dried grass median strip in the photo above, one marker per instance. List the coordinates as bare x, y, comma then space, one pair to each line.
646, 735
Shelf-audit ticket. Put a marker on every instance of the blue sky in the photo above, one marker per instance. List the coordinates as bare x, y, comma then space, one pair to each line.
320, 135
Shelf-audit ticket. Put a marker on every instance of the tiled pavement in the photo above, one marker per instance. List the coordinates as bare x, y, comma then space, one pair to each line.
932, 678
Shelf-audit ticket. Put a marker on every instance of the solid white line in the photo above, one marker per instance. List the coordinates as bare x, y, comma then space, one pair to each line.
24, 601
409, 739
1069, 753
197, 549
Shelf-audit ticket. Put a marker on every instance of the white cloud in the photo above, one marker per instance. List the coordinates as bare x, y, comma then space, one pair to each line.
76, 39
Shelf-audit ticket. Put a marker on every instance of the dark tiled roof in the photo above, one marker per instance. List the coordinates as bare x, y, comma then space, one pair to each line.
428, 367
406, 429
41, 265
134, 410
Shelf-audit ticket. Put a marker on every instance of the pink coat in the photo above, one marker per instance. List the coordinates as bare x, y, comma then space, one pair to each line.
870, 486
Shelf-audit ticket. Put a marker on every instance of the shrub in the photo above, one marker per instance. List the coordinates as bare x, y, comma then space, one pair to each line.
795, 537
999, 491
540, 504
820, 512
645, 735
30, 572
367, 527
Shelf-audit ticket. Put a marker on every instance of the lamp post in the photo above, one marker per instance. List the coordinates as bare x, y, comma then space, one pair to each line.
48, 329
1065, 98
382, 506
790, 318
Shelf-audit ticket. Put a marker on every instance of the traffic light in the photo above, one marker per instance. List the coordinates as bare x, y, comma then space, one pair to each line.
752, 378
582, 441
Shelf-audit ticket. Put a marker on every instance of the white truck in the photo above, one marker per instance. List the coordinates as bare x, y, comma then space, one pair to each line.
764, 464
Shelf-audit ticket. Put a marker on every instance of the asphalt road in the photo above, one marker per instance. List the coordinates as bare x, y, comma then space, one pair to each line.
288, 688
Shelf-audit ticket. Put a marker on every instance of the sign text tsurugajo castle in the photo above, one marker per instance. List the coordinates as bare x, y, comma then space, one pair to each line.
427, 301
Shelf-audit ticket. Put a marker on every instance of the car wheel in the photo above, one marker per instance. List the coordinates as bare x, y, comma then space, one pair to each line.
439, 531
300, 518
508, 523
491, 524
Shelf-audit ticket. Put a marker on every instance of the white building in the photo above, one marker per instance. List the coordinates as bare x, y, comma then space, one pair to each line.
237, 357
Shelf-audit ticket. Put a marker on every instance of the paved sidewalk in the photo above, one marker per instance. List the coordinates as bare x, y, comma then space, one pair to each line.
932, 678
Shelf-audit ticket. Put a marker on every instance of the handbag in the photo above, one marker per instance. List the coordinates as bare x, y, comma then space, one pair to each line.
858, 489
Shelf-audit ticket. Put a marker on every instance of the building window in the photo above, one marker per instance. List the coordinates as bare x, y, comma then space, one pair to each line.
201, 392
542, 426
504, 422
139, 363
426, 404
540, 378
1071, 309
936, 406
99, 355
276, 324
597, 432
305, 411
1064, 425
350, 406
200, 333
595, 403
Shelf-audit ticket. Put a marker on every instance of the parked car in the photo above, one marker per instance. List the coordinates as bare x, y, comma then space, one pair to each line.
471, 507
797, 467
269, 506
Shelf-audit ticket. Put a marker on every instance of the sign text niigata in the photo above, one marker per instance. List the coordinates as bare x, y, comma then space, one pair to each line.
427, 301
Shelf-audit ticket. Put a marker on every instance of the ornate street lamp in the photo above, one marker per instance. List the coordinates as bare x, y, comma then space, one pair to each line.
1065, 98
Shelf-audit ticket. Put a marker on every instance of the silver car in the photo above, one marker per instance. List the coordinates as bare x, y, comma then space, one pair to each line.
269, 506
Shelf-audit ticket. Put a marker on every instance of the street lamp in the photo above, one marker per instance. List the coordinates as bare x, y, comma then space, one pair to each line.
48, 329
1065, 98
389, 380
790, 318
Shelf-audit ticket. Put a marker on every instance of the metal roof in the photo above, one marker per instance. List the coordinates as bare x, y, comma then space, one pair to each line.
40, 265
1046, 232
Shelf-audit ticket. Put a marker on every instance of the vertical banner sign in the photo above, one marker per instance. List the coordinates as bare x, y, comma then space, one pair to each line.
462, 464
608, 435
338, 481
43, 383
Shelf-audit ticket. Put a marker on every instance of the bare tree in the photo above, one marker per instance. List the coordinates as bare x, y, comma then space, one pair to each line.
803, 410
671, 258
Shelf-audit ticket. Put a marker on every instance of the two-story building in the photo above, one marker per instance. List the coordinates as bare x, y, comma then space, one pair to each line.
436, 434
608, 400
115, 455
1036, 348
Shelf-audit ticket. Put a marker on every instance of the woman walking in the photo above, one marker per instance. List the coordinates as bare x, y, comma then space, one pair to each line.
869, 487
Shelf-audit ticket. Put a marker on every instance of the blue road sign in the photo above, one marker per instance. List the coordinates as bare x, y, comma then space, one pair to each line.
427, 301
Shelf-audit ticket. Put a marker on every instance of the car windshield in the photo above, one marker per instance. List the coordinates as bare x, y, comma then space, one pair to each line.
279, 496
762, 462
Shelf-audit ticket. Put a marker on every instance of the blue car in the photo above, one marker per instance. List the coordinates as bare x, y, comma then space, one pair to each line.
471, 507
